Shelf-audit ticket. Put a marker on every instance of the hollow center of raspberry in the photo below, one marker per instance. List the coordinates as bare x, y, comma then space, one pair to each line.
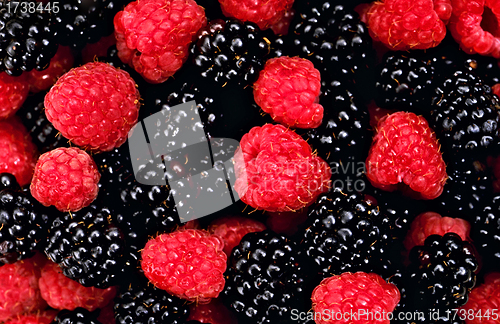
489, 22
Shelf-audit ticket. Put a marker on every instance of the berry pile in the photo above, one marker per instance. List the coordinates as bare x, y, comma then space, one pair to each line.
252, 162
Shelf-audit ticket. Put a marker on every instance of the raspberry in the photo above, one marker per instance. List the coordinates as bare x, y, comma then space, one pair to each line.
474, 26
406, 150
19, 290
91, 51
264, 13
107, 314
94, 106
61, 292
288, 89
231, 230
348, 292
59, 64
153, 36
430, 223
44, 317
13, 93
66, 178
277, 171
18, 154
215, 313
188, 264
408, 25
484, 300
287, 223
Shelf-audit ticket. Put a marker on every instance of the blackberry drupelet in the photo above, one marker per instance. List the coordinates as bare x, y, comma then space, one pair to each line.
8, 181
465, 115
484, 67
442, 272
265, 281
77, 316
141, 302
43, 133
27, 40
89, 247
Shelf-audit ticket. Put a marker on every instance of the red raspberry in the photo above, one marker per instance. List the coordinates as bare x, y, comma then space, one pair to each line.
18, 154
407, 24
94, 106
287, 223
474, 25
92, 51
44, 317
61, 292
265, 13
337, 296
231, 230
66, 178
484, 300
59, 64
19, 290
214, 313
277, 171
153, 36
406, 150
494, 164
189, 264
107, 314
288, 89
281, 27
430, 223
13, 93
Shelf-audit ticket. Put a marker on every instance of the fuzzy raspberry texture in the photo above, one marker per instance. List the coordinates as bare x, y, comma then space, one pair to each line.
407, 24
61, 292
354, 291
19, 290
66, 178
288, 89
231, 230
214, 313
277, 171
474, 24
13, 93
153, 36
94, 106
18, 154
61, 63
430, 223
265, 13
484, 300
189, 264
405, 150
41, 317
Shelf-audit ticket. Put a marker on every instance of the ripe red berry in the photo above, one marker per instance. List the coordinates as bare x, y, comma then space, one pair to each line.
94, 106
336, 297
40, 317
214, 313
189, 264
92, 51
277, 171
153, 36
287, 223
288, 89
405, 150
13, 93
66, 178
18, 154
484, 301
61, 292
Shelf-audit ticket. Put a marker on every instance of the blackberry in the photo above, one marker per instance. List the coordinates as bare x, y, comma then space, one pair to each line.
144, 303
442, 272
27, 40
465, 115
485, 67
264, 281
88, 246
43, 133
23, 222
77, 316
404, 82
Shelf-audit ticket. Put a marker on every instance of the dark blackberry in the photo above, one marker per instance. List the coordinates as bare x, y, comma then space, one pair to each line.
442, 272
27, 40
144, 303
232, 51
404, 82
23, 222
43, 133
89, 247
77, 316
485, 67
264, 281
465, 115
